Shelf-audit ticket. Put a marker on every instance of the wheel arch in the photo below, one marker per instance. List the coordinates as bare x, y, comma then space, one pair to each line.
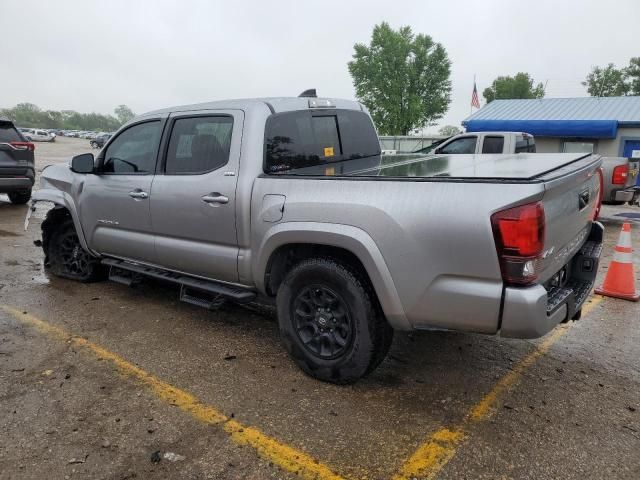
288, 243
62, 203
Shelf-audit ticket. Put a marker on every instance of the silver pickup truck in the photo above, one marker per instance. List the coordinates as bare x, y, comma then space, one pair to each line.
289, 200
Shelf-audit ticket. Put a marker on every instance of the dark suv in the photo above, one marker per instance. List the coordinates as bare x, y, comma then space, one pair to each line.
100, 140
17, 168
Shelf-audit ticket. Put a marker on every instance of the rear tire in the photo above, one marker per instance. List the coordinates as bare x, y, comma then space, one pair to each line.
21, 197
65, 257
330, 321
93, 144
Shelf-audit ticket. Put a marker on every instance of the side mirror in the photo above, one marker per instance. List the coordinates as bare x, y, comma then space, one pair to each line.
83, 163
437, 150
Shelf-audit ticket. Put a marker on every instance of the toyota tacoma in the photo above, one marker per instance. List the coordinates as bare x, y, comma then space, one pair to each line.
289, 200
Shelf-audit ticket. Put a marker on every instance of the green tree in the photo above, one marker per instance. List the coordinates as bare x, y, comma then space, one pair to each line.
519, 86
30, 115
123, 114
607, 81
449, 131
633, 76
402, 78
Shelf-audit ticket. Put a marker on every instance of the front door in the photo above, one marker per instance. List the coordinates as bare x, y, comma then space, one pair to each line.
193, 197
114, 203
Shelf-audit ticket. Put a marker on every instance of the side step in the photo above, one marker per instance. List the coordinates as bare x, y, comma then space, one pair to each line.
204, 293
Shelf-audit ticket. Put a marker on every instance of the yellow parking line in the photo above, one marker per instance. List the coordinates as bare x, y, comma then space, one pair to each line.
285, 456
432, 456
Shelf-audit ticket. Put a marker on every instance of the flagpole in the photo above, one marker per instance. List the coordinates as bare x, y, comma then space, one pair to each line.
474, 86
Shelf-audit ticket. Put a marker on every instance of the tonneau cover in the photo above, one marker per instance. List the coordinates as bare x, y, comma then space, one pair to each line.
520, 166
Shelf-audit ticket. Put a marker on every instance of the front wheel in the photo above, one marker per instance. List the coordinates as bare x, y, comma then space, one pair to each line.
66, 258
330, 321
93, 144
20, 198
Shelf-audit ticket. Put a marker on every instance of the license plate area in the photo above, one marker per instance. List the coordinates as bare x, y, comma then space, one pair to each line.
572, 284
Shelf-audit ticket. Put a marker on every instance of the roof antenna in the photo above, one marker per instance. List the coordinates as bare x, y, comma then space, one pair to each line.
311, 93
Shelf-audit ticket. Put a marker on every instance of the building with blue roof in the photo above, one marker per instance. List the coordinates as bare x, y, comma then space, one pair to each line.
609, 126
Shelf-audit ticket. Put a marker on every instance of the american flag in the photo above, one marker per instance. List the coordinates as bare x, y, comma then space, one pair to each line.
474, 97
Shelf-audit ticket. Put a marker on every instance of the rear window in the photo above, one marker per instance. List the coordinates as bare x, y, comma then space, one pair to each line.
525, 144
8, 133
326, 142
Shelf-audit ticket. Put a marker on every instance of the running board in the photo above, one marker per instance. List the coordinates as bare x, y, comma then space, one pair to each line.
204, 293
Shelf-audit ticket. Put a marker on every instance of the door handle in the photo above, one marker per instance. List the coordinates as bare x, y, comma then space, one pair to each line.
138, 194
215, 197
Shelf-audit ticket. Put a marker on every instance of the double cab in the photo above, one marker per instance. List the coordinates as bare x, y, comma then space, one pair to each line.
289, 201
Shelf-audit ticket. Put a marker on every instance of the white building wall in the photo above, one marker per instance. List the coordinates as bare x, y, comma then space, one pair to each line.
604, 147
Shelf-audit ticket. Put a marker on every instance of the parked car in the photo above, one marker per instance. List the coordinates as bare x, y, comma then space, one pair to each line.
620, 176
483, 142
38, 135
17, 167
100, 140
289, 200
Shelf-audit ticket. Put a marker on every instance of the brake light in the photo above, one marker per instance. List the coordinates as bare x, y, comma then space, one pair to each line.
519, 236
23, 146
620, 174
598, 204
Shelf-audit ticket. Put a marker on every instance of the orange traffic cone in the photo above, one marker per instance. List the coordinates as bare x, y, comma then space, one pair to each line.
620, 281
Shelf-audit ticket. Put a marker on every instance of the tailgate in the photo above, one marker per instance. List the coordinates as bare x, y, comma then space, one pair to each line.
570, 199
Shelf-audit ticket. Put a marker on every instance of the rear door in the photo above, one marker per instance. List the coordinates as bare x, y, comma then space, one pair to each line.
114, 204
193, 198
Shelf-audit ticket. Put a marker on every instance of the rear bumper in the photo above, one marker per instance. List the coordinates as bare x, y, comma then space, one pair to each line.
534, 311
625, 195
17, 183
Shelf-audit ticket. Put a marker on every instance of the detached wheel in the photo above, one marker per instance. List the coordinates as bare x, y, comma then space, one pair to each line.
20, 198
66, 258
330, 321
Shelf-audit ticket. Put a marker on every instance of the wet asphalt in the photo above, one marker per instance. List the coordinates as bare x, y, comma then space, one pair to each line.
573, 413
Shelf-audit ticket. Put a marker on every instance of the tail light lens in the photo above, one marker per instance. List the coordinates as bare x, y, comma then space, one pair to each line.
620, 174
598, 204
23, 146
519, 236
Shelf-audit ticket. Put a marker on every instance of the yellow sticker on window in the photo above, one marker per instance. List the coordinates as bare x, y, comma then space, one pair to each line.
328, 151
329, 171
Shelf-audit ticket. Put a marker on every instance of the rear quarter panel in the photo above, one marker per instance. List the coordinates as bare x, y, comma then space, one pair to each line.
434, 238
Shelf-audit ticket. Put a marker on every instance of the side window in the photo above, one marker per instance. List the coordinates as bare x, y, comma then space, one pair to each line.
493, 145
461, 145
577, 146
134, 150
199, 144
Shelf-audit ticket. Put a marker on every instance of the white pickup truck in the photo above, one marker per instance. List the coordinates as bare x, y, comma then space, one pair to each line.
483, 142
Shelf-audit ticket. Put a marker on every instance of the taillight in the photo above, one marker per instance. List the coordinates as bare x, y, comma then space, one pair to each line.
23, 146
519, 236
620, 174
598, 204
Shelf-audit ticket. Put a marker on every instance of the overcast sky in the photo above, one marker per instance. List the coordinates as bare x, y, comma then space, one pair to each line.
92, 56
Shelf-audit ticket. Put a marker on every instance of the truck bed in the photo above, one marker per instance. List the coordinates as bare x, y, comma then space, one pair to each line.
516, 167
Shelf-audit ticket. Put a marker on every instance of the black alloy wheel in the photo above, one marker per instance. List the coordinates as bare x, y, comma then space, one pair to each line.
322, 322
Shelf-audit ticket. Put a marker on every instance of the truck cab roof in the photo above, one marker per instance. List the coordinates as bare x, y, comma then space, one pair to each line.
274, 104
